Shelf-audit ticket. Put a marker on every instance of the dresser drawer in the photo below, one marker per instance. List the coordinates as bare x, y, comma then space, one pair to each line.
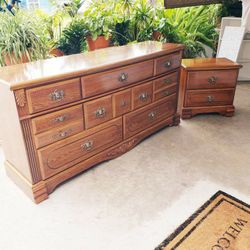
57, 134
53, 95
165, 81
98, 111
142, 95
212, 79
145, 117
56, 119
209, 98
166, 63
62, 155
165, 92
122, 102
109, 80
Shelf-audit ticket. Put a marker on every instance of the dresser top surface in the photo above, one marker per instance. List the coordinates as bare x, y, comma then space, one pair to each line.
209, 63
54, 69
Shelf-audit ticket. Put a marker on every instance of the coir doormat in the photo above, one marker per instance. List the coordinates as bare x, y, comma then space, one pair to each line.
222, 223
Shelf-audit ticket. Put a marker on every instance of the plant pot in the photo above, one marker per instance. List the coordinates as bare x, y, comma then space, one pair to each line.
8, 62
56, 52
99, 43
156, 35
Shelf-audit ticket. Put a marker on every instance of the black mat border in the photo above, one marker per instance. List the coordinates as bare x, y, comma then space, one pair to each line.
192, 217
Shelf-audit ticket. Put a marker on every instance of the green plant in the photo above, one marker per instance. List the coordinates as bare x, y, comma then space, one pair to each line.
99, 20
195, 27
73, 38
21, 35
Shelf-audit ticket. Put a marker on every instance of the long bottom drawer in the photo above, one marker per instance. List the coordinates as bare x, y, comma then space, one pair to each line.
62, 155
148, 116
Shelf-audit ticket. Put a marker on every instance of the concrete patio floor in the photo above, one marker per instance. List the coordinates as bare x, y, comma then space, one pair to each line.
135, 201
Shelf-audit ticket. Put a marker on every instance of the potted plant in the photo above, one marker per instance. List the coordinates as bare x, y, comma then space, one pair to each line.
21, 39
99, 25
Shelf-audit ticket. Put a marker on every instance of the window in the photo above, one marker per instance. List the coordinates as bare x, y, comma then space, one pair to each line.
33, 4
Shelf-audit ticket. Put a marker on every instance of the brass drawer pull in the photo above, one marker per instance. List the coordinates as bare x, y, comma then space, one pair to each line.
210, 99
168, 64
212, 80
168, 81
100, 112
63, 134
166, 93
57, 95
124, 103
60, 118
123, 77
152, 115
87, 145
143, 96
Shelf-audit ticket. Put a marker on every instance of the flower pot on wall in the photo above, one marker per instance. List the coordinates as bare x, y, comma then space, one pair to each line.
99, 43
8, 61
56, 52
156, 36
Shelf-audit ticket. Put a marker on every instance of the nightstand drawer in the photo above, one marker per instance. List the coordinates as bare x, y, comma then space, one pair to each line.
56, 119
167, 63
209, 98
53, 95
142, 95
212, 79
165, 92
109, 80
62, 155
165, 81
98, 111
122, 102
145, 117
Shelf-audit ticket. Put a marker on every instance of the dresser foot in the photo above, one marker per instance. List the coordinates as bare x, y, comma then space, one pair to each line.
36, 192
186, 114
176, 120
228, 112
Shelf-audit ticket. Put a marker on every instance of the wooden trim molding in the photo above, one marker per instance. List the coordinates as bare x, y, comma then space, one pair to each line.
186, 3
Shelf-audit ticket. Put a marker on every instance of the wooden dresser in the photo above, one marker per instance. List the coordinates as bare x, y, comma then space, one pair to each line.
63, 115
207, 86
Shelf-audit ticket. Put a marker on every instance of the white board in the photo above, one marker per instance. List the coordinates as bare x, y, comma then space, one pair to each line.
231, 42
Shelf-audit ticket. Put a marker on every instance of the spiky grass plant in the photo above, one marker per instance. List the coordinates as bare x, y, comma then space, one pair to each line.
21, 36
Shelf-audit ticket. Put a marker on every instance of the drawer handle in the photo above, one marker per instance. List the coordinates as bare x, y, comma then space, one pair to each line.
124, 103
212, 80
63, 134
87, 145
210, 99
168, 81
100, 112
123, 77
143, 96
57, 95
60, 118
166, 93
168, 64
152, 115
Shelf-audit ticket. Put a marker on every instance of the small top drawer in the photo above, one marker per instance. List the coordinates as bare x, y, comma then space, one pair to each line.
98, 111
166, 63
212, 79
165, 81
142, 95
109, 80
55, 119
53, 95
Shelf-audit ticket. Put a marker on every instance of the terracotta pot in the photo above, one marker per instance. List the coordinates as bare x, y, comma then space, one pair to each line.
8, 62
56, 52
99, 43
156, 35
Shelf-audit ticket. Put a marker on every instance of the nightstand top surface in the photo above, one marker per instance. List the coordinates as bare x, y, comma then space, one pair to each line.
209, 63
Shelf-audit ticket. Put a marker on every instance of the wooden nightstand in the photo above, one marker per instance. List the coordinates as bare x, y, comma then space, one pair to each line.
207, 86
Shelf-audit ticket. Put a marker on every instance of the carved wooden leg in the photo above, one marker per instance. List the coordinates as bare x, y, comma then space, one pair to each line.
176, 120
186, 114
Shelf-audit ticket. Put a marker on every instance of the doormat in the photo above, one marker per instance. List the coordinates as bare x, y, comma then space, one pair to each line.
222, 223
